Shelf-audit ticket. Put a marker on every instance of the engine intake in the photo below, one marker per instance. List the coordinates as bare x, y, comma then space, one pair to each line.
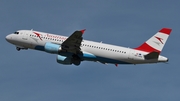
64, 60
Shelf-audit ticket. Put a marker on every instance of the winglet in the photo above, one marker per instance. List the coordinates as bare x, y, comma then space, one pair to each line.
116, 65
83, 31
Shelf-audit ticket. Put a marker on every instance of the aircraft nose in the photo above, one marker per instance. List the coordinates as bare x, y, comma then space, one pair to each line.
8, 38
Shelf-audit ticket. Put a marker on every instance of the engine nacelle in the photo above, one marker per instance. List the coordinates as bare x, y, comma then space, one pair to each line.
52, 48
64, 60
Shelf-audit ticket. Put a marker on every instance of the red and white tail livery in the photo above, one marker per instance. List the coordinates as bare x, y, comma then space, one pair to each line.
156, 42
74, 50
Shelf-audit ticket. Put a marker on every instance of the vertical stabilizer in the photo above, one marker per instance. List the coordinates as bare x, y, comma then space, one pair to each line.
156, 42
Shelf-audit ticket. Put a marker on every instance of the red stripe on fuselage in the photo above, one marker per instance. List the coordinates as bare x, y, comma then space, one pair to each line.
38, 35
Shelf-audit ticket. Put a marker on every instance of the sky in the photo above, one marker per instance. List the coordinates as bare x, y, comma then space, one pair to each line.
31, 75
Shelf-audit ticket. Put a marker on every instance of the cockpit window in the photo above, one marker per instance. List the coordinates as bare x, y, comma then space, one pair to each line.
16, 32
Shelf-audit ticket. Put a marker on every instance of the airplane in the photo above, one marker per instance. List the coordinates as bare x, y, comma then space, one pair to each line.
74, 49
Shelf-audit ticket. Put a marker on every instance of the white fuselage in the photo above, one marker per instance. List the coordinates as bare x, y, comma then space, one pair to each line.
96, 51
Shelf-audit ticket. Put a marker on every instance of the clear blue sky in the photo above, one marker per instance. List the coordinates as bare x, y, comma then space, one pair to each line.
35, 76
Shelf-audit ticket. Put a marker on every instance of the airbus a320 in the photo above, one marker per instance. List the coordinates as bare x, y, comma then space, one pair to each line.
74, 49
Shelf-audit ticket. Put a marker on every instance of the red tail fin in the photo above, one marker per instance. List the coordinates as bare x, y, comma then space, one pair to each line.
156, 42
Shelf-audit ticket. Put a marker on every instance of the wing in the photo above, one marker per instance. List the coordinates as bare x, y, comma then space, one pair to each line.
72, 44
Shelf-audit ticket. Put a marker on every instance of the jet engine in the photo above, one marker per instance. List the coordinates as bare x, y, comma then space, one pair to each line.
68, 60
52, 48
64, 60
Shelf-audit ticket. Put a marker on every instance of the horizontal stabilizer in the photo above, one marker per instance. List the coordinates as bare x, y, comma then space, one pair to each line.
152, 55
